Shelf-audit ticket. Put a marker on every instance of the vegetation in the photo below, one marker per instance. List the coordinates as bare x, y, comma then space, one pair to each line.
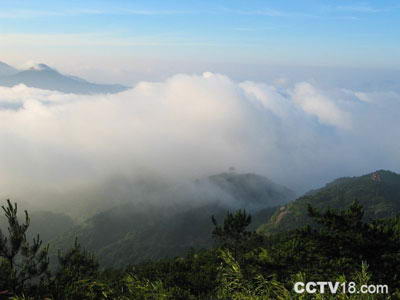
378, 193
20, 261
134, 232
246, 265
337, 245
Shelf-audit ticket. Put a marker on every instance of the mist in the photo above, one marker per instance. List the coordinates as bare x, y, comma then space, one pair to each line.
64, 148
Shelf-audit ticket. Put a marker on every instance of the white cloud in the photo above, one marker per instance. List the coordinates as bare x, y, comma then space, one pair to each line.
79, 39
190, 126
360, 9
316, 103
28, 14
377, 97
91, 39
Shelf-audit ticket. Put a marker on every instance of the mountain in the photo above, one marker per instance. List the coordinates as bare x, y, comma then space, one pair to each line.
139, 231
47, 224
250, 191
42, 76
377, 192
6, 70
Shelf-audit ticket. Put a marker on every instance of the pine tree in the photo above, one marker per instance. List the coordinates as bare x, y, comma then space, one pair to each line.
233, 235
76, 266
20, 262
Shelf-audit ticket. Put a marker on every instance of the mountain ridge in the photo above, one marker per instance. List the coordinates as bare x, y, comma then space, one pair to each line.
378, 192
6, 70
134, 232
42, 76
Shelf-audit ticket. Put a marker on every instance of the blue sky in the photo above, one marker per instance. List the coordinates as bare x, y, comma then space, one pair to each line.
296, 32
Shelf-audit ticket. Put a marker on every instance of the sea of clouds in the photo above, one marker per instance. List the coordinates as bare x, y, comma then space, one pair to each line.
191, 126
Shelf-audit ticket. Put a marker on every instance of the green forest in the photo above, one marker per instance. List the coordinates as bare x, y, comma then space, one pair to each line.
347, 231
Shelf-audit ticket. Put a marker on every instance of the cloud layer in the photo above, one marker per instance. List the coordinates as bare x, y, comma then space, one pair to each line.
190, 126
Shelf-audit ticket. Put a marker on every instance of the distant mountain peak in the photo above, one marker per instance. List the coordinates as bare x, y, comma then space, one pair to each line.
40, 67
6, 69
42, 76
3, 64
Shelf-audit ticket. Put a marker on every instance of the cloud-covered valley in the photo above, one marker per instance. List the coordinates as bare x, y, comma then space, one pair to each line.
190, 126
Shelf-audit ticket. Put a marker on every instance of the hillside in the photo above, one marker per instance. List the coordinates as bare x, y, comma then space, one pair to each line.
47, 224
6, 70
378, 193
251, 191
130, 239
135, 232
44, 77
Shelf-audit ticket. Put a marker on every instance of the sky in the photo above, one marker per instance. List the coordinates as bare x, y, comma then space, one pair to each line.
164, 34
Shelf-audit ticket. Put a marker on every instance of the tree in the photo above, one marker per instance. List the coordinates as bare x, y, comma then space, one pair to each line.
343, 242
233, 234
76, 264
20, 262
340, 221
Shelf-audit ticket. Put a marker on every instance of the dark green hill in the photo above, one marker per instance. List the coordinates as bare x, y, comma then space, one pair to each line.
378, 193
135, 232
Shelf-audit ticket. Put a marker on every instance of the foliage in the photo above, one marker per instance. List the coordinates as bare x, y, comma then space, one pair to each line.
20, 261
233, 284
76, 272
233, 234
136, 231
339, 245
380, 199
